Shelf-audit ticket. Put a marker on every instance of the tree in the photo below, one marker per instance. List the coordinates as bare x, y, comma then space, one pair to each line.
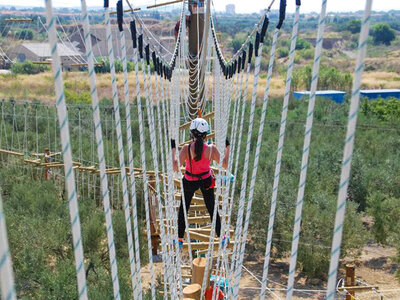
25, 34
382, 33
354, 26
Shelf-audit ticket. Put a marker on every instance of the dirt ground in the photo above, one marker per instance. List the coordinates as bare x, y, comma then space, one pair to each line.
374, 267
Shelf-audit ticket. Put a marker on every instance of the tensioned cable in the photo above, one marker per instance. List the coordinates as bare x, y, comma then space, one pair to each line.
100, 151
137, 279
118, 128
277, 174
73, 58
348, 152
238, 232
67, 155
242, 245
82, 59
153, 144
7, 285
143, 160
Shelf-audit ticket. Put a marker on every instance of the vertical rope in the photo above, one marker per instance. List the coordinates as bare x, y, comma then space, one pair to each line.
7, 287
237, 164
348, 151
117, 119
303, 173
282, 131
238, 231
242, 244
144, 170
67, 155
100, 152
171, 194
153, 144
137, 279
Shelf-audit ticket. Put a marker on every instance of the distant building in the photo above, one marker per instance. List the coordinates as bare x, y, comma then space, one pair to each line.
230, 9
99, 41
40, 52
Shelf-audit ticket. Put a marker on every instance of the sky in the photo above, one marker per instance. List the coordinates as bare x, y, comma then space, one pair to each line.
242, 6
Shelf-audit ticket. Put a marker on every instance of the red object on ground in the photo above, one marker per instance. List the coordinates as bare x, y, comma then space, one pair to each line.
209, 292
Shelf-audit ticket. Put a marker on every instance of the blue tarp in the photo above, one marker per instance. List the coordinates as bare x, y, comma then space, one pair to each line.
374, 94
336, 96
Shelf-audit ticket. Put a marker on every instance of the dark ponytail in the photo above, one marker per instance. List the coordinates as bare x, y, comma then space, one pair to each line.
198, 148
198, 145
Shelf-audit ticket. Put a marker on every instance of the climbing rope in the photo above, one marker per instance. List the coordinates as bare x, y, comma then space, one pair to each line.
137, 281
67, 154
348, 151
100, 152
7, 287
117, 119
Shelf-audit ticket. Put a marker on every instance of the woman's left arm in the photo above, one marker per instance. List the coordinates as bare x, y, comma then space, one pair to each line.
226, 157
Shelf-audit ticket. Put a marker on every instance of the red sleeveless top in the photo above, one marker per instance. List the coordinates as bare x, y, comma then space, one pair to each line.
198, 167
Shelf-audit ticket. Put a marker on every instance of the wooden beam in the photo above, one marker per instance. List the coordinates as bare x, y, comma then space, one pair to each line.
18, 20
125, 11
205, 117
85, 64
41, 62
164, 4
11, 152
358, 288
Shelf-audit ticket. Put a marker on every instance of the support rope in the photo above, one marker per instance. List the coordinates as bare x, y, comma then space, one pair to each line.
348, 152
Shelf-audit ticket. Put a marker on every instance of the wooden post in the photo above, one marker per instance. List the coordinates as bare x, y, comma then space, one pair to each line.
153, 230
350, 281
192, 291
199, 265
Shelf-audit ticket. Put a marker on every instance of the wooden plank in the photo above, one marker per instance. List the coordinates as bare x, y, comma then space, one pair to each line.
358, 288
32, 161
164, 4
4, 151
126, 11
204, 245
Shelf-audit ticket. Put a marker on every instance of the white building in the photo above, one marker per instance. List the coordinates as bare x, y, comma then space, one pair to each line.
230, 9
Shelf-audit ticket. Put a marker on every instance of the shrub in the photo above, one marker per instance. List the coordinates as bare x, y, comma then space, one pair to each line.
27, 67
283, 52
302, 44
382, 33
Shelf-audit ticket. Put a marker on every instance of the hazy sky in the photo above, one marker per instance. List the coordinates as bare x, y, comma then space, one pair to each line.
241, 5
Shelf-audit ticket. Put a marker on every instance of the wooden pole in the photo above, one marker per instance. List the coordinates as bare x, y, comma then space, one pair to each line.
164, 4
350, 281
192, 291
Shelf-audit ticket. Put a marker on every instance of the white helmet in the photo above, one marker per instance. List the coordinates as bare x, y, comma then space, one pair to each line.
200, 125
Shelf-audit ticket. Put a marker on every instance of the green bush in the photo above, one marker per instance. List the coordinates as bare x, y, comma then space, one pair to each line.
27, 67
382, 33
72, 97
384, 109
283, 52
302, 44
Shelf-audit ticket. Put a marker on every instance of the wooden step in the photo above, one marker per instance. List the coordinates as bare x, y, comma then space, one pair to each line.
194, 220
204, 245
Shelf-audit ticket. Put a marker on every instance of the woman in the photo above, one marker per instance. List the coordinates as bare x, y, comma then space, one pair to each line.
198, 157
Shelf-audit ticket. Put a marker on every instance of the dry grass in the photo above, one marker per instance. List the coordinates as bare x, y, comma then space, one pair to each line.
381, 80
41, 86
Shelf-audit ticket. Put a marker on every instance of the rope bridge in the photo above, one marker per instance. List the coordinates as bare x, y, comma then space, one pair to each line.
172, 90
